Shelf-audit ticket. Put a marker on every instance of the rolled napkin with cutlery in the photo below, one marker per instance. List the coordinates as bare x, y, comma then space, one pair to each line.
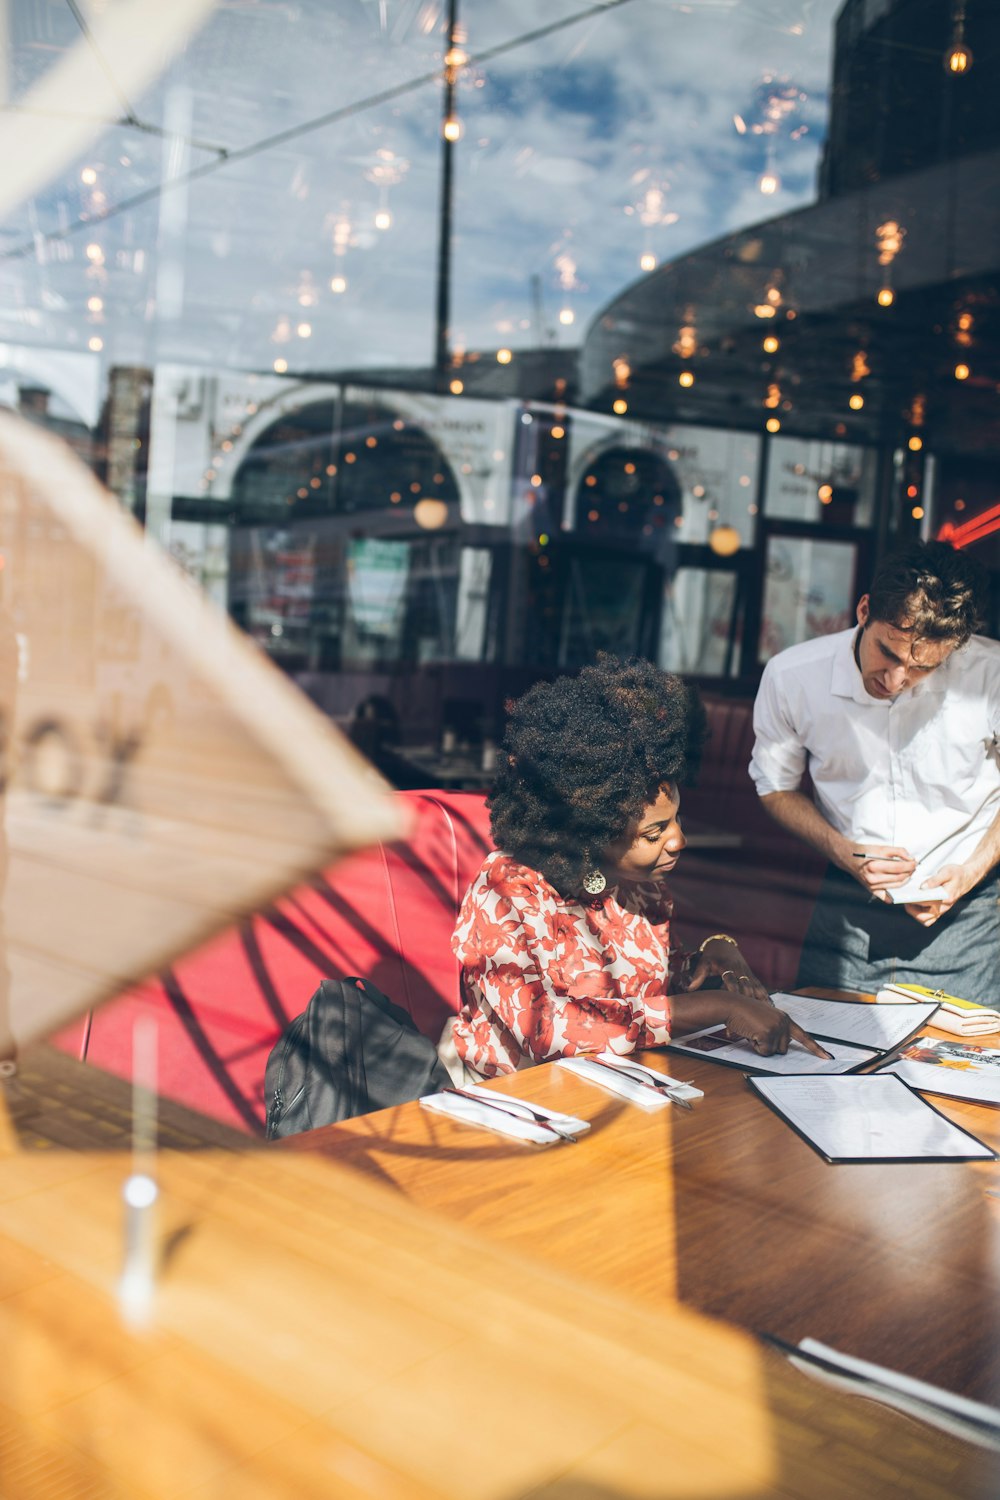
506, 1115
632, 1080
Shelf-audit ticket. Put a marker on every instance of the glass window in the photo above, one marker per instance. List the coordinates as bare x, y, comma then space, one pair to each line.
832, 483
809, 591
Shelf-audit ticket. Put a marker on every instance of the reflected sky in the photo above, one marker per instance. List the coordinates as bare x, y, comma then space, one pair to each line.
303, 140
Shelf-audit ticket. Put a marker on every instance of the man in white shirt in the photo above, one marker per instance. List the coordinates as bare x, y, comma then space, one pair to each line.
898, 724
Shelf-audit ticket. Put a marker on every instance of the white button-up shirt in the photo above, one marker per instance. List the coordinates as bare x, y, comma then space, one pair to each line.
921, 771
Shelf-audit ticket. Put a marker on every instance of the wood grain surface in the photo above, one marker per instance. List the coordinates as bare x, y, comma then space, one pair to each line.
726, 1210
318, 1335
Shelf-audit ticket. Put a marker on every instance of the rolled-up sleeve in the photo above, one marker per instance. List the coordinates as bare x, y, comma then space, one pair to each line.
779, 758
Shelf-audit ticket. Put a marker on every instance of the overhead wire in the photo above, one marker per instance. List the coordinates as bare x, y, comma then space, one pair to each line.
292, 132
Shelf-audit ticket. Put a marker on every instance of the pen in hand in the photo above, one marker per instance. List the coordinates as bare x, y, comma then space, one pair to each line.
856, 855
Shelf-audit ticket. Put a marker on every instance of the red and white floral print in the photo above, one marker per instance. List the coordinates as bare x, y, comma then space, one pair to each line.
544, 976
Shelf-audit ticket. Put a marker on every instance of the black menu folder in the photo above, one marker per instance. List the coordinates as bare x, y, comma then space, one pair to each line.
855, 1032
871, 1117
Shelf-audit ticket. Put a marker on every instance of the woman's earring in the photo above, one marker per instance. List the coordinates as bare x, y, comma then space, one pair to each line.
594, 883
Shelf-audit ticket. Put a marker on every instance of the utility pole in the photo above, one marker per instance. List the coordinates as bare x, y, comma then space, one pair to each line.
450, 132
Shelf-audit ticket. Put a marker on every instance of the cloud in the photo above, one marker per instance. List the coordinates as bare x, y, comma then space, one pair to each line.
555, 135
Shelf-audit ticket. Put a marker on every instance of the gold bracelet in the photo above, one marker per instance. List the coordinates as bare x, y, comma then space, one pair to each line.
717, 937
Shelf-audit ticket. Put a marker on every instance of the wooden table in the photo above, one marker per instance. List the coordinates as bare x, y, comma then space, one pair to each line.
723, 1209
318, 1334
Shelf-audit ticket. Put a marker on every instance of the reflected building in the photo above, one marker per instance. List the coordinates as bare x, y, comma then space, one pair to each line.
859, 337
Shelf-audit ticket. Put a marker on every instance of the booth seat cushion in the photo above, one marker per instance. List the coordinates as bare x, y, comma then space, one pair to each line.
387, 914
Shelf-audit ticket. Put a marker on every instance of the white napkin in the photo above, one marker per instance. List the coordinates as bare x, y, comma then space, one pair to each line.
518, 1124
621, 1083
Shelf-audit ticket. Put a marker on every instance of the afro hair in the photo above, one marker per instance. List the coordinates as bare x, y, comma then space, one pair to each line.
584, 756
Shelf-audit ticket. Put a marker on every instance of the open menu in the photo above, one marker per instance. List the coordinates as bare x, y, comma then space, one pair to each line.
713, 1043
958, 1069
854, 1032
881, 1027
874, 1117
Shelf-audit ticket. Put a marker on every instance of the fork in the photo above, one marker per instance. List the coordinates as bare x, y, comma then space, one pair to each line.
511, 1107
666, 1086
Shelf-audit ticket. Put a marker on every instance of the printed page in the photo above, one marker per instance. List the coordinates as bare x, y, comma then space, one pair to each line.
713, 1043
870, 1118
881, 1027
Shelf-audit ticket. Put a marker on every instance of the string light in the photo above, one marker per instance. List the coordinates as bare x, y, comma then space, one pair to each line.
504, 356
280, 366
566, 316
768, 183
456, 387
452, 128
619, 407
771, 344
886, 296
856, 402
962, 372
685, 378
338, 284
88, 176
958, 58
647, 261
915, 444
772, 424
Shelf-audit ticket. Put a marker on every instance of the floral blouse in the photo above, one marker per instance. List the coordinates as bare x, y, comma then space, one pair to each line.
544, 976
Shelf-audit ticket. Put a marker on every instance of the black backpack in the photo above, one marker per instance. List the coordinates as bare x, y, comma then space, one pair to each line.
351, 1051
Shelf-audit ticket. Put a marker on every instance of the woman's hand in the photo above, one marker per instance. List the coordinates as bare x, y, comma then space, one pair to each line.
721, 957
767, 1029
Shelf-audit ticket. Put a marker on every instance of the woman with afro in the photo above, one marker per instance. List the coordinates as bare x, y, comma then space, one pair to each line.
564, 935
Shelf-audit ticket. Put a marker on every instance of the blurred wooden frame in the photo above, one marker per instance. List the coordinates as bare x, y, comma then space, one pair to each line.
159, 776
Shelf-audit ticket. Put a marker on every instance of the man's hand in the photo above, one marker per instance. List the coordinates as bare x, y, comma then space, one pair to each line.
956, 880
767, 1029
722, 957
883, 867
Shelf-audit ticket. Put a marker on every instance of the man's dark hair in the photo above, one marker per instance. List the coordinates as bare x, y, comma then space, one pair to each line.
932, 590
584, 756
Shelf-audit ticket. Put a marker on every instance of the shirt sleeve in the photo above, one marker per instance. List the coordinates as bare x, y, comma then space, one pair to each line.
506, 943
779, 758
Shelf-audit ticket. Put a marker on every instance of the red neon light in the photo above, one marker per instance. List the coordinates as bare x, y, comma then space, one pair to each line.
971, 531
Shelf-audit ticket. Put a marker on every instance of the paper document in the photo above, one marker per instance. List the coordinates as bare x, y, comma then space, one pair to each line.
714, 1044
855, 1022
870, 1118
958, 1070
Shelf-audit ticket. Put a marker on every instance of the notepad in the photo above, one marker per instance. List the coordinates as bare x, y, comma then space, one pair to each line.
910, 892
875, 1117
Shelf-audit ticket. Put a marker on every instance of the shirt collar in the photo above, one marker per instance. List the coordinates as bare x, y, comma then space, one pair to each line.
847, 681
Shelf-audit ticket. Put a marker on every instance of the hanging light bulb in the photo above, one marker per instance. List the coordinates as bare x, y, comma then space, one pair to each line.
768, 183
886, 296
958, 57
383, 219
647, 261
452, 128
685, 378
